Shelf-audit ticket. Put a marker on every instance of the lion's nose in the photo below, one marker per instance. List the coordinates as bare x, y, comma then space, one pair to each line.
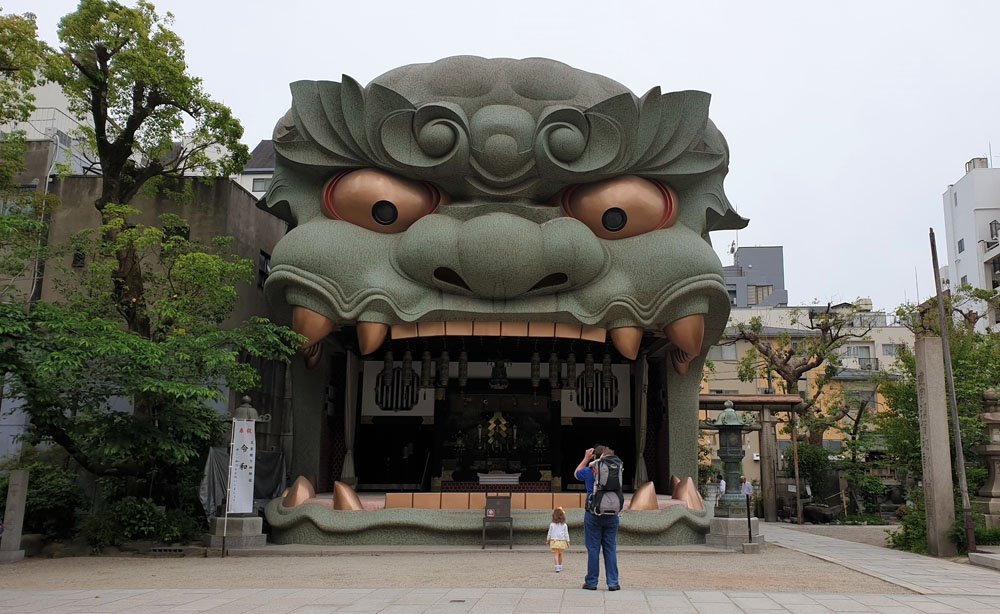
500, 255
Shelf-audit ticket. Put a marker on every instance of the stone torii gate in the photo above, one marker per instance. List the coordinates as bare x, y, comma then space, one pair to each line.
765, 406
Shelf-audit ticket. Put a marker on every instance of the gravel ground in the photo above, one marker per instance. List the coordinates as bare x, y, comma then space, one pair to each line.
775, 570
872, 535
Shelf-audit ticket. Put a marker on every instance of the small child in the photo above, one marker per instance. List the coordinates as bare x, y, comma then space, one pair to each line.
558, 538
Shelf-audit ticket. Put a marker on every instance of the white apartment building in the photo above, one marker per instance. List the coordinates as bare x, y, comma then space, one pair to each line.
972, 230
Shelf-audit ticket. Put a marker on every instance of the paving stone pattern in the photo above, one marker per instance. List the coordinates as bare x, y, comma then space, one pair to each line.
921, 574
475, 601
939, 586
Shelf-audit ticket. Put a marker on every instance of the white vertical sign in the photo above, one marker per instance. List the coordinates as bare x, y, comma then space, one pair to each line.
241, 468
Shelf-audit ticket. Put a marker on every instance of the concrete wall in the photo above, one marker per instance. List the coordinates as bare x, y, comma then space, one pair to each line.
221, 208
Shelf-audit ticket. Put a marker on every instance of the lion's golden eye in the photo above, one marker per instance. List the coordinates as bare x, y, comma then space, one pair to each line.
621, 207
379, 201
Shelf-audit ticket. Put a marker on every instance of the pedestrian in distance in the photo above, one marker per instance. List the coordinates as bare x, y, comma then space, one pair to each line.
558, 537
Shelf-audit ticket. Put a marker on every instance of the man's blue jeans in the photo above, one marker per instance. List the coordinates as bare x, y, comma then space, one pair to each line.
601, 533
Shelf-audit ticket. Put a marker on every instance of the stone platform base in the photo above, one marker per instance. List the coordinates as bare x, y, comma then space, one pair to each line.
11, 556
236, 542
241, 532
985, 559
320, 525
731, 533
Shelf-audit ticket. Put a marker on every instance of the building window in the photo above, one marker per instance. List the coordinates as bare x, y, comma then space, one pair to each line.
965, 279
79, 259
722, 352
263, 268
758, 294
889, 349
261, 184
961, 245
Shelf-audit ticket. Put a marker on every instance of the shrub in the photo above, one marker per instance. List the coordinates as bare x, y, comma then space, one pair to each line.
131, 519
814, 463
912, 532
53, 494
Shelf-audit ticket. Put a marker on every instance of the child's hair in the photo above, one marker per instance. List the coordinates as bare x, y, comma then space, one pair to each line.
559, 515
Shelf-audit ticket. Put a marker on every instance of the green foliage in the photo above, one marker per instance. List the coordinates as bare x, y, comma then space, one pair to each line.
814, 463
976, 364
130, 519
21, 56
53, 494
707, 472
912, 532
71, 361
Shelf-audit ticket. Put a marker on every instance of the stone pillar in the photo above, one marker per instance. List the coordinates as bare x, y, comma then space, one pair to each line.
308, 416
934, 445
988, 501
682, 419
17, 494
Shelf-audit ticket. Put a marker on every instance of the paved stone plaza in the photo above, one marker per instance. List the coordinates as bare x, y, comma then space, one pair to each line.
858, 577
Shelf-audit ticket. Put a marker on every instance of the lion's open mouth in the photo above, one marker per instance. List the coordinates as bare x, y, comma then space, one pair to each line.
686, 334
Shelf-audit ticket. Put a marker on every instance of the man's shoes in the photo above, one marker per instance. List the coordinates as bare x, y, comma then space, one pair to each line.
588, 587
614, 588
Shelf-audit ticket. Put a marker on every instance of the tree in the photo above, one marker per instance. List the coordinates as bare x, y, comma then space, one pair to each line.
77, 367
975, 359
147, 119
22, 212
827, 331
21, 58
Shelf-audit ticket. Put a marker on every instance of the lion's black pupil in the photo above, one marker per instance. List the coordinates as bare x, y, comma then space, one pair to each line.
384, 212
614, 219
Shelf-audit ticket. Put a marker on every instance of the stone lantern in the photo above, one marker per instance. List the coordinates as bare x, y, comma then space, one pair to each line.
732, 503
988, 501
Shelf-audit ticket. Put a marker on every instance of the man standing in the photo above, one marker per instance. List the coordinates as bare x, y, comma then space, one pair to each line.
746, 487
722, 487
600, 531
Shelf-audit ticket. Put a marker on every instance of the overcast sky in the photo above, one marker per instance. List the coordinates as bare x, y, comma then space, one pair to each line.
845, 122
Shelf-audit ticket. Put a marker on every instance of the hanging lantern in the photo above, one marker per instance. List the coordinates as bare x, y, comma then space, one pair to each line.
426, 371
536, 370
387, 363
588, 370
554, 371
463, 369
407, 373
606, 372
571, 370
444, 365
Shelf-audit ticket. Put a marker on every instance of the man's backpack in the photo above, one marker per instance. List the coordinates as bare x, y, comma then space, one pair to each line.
608, 499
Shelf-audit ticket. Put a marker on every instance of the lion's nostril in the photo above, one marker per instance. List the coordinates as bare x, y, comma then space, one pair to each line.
549, 281
449, 276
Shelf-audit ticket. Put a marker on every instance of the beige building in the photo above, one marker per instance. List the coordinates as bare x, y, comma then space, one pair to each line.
862, 358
